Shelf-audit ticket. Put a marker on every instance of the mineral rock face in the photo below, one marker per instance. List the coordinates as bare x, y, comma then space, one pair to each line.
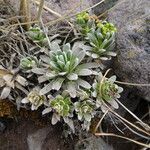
132, 18
62, 7
93, 143
2, 127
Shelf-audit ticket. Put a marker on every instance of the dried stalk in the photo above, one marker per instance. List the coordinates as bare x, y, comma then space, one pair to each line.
122, 137
41, 4
25, 13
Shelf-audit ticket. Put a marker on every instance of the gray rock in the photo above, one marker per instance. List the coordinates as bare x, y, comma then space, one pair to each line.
93, 143
132, 18
2, 127
103, 7
36, 140
63, 7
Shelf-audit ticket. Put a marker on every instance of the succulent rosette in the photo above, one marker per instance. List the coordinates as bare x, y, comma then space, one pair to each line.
28, 63
85, 111
101, 44
34, 98
37, 35
66, 69
11, 80
105, 90
62, 105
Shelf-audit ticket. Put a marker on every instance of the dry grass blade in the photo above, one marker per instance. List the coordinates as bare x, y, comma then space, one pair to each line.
25, 12
132, 84
87, 9
102, 80
122, 137
132, 130
100, 121
41, 4
3, 72
131, 124
66, 16
24, 23
143, 124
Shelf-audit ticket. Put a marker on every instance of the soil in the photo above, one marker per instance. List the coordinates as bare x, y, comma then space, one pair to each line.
17, 130
15, 136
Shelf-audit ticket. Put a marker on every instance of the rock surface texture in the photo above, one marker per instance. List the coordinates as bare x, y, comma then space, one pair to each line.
32, 135
132, 18
60, 7
93, 143
36, 140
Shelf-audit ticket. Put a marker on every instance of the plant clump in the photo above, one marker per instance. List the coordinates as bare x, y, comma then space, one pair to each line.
64, 77
99, 35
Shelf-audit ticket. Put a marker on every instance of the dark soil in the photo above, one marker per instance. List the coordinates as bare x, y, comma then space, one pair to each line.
15, 136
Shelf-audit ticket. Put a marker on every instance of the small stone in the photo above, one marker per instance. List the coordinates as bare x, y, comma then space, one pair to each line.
2, 127
36, 140
63, 7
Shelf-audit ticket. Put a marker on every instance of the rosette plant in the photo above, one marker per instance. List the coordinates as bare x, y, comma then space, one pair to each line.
85, 111
66, 69
37, 35
11, 80
106, 91
101, 44
34, 98
62, 107
100, 36
28, 63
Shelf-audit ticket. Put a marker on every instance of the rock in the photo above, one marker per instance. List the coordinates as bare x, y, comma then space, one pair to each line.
93, 143
2, 127
28, 134
103, 7
62, 7
133, 43
36, 140
129, 100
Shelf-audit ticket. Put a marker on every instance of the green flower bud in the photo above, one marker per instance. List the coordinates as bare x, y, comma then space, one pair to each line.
82, 18
106, 27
